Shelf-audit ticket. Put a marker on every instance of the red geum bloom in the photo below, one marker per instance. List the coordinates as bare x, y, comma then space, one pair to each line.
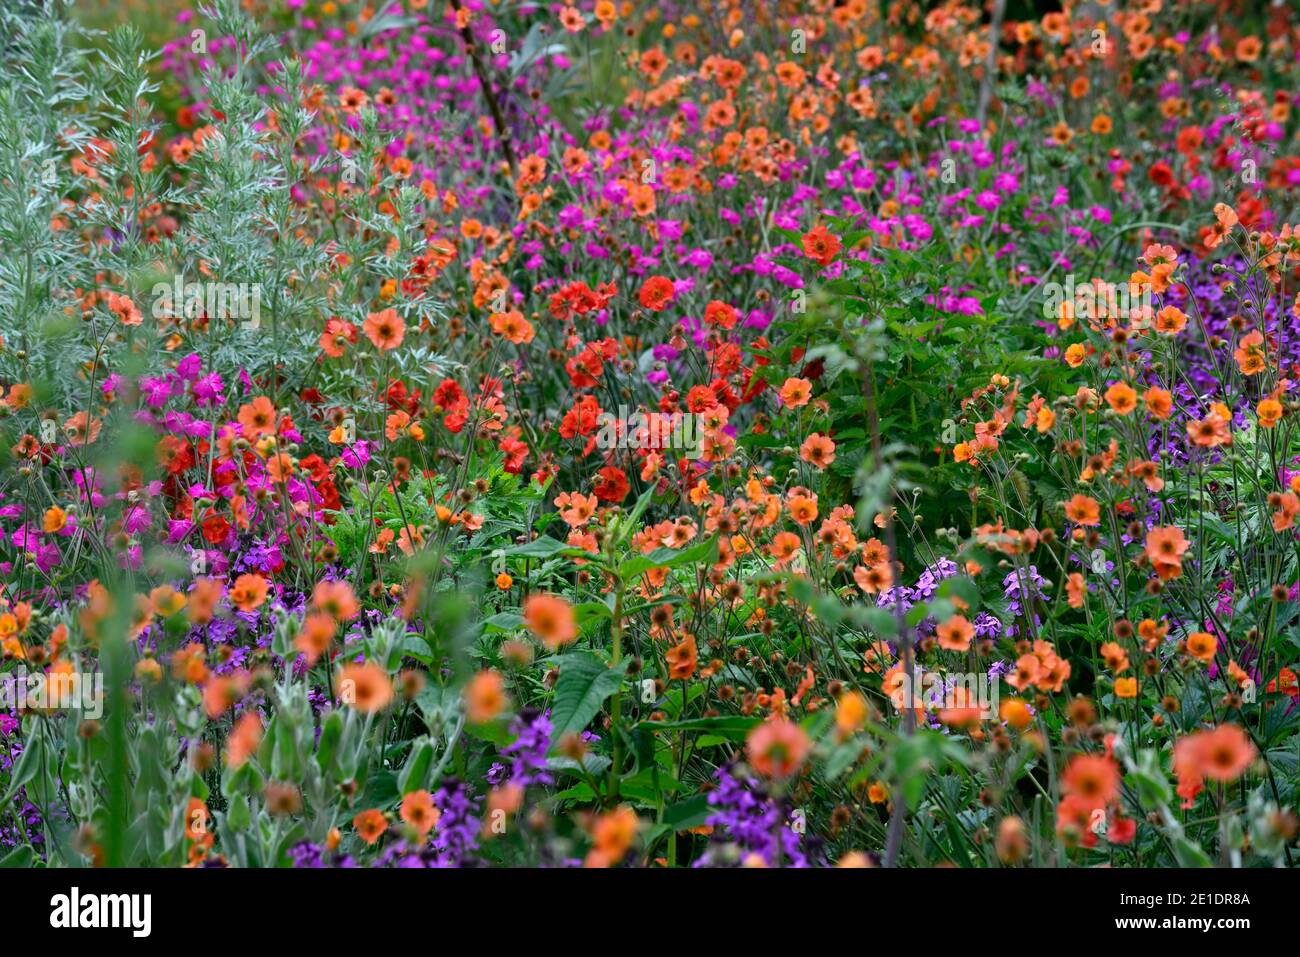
612, 484
1161, 174
657, 293
719, 313
448, 395
821, 245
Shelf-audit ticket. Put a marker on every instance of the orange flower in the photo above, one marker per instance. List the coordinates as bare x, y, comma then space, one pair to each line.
550, 618
1116, 658
257, 418
1076, 591
1165, 547
203, 600
370, 825
817, 450
365, 687
485, 696
795, 392
81, 429
244, 738
955, 634
55, 518
1126, 688
1269, 412
418, 811
1202, 645
1250, 353
1083, 510
315, 636
803, 509
850, 712
820, 245
1288, 506
575, 508
1121, 398
336, 599
612, 836
1091, 779
512, 326
248, 592
1159, 403
776, 749
1170, 321
1223, 754
682, 659
874, 578
1210, 432
385, 329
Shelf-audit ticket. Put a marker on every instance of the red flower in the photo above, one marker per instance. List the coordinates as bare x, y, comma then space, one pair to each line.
1161, 174
820, 245
718, 313
657, 293
612, 485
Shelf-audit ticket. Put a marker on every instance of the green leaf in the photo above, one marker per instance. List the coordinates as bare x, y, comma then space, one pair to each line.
585, 682
732, 727
19, 857
705, 551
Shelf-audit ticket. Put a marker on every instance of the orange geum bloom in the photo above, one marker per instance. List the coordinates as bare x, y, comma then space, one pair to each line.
821, 245
955, 634
818, 450
385, 329
1269, 412
1116, 657
244, 739
336, 599
315, 636
551, 619
257, 418
1159, 402
656, 293
682, 659
1121, 398
1288, 506
1170, 321
1165, 547
1222, 754
370, 824
777, 749
248, 592
1250, 353
795, 392
803, 509
1083, 510
612, 836
575, 508
417, 810
784, 547
485, 696
512, 326
1210, 432
55, 518
1076, 590
1091, 779
874, 578
365, 687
